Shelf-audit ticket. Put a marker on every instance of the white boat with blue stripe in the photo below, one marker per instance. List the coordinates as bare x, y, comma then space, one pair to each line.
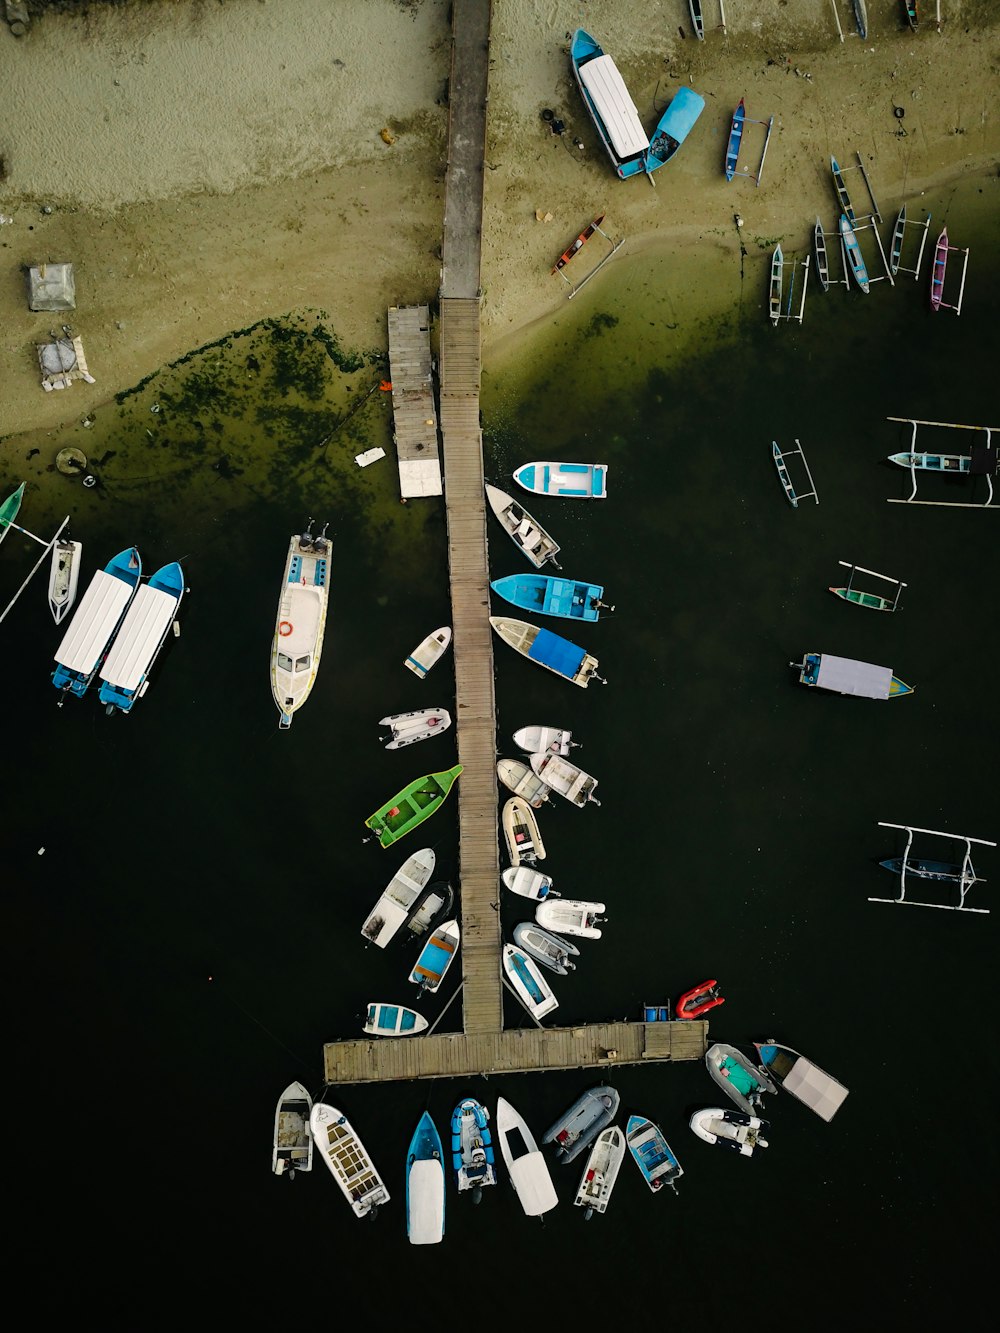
393, 1020
95, 623
528, 984
301, 622
125, 674
429, 651
578, 481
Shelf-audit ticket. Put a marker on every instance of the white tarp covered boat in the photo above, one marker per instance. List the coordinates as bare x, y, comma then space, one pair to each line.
799, 1076
845, 675
529, 1173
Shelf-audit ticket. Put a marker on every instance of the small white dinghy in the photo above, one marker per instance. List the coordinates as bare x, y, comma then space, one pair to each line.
520, 829
346, 1156
429, 651
293, 1144
518, 778
420, 725
393, 1020
528, 883
529, 985
601, 1172
552, 952
529, 1173
64, 575
539, 740
565, 778
735, 1130
570, 916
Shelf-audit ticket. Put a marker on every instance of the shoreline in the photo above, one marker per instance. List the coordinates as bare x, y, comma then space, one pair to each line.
157, 278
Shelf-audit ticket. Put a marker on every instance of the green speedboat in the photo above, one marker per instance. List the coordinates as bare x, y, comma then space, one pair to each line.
9, 508
412, 805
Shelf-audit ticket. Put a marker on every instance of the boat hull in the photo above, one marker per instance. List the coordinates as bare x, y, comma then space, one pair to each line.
601, 1171
571, 916
429, 652
804, 1080
526, 1166
550, 950
652, 1154
548, 650
520, 831
551, 596
64, 576
347, 1159
472, 1156
570, 481
525, 531
436, 957
393, 1020
419, 725
425, 1185
292, 1148
529, 985
402, 813
741, 1080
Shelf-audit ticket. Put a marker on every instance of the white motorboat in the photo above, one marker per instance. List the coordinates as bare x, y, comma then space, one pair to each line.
570, 916
399, 897
565, 778
348, 1160
64, 575
525, 532
528, 883
429, 651
529, 1173
518, 778
520, 829
419, 725
529, 985
301, 622
539, 740
550, 950
601, 1172
735, 1130
393, 1020
293, 1144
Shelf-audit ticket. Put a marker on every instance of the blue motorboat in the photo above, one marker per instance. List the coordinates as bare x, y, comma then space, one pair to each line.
674, 126
853, 252
472, 1148
735, 138
425, 1185
548, 650
125, 674
653, 1154
553, 596
95, 623
571, 481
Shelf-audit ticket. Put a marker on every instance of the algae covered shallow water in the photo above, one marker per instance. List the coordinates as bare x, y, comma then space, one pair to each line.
191, 935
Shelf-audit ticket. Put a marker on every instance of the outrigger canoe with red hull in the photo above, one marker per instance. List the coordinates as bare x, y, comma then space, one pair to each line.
699, 1000
938, 270
578, 244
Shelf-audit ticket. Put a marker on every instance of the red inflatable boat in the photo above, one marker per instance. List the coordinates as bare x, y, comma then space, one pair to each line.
699, 1000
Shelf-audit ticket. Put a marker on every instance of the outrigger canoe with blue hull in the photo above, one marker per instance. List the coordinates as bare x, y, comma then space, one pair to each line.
9, 508
548, 650
552, 596
95, 623
425, 1185
573, 481
153, 609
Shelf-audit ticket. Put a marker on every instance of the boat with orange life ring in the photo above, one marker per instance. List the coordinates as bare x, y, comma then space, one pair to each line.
698, 1000
301, 621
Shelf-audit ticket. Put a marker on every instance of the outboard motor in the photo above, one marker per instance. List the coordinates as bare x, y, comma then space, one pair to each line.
320, 543
306, 539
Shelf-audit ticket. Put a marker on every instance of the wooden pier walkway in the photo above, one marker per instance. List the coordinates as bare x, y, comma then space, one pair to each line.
414, 416
483, 1047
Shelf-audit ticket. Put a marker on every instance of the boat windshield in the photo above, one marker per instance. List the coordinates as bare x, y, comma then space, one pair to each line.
302, 663
284, 662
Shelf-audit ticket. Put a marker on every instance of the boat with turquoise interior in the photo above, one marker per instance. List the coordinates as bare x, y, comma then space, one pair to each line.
425, 1185
95, 623
472, 1156
853, 252
576, 481
743, 1081
548, 650
393, 1020
151, 613
846, 675
436, 956
410, 807
528, 984
928, 462
653, 1154
9, 508
552, 596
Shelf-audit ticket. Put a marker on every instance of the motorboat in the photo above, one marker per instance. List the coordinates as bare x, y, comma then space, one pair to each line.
300, 624
399, 897
535, 740
565, 778
552, 951
429, 651
737, 1130
653, 1154
571, 916
529, 1173
799, 1076
348, 1160
292, 1149
472, 1148
577, 1127
436, 956
528, 883
528, 984
425, 1185
419, 725
600, 1172
517, 777
520, 831
393, 1020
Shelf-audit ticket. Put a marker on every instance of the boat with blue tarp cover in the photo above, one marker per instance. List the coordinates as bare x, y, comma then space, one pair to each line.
653, 1154
143, 632
578, 481
548, 650
472, 1148
552, 596
95, 623
425, 1185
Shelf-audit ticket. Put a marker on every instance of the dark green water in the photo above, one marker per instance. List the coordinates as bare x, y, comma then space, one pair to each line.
737, 838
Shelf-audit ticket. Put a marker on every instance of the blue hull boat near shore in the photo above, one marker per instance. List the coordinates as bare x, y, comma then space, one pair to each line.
151, 613
553, 596
575, 481
95, 623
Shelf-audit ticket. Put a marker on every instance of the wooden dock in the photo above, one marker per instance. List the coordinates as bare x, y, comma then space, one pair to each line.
414, 416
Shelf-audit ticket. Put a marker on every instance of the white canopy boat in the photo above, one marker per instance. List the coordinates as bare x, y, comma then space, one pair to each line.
293, 1145
536, 740
601, 1172
565, 778
741, 1079
152, 611
529, 1173
525, 532
348, 1160
399, 897
393, 1020
737, 1130
528, 883
552, 952
570, 916
419, 725
301, 622
64, 575
799, 1076
529, 985
520, 829
518, 778
429, 651
95, 622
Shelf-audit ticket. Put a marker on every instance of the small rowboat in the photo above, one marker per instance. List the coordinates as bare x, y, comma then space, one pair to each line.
843, 198
436, 957
822, 262
699, 1000
528, 984
393, 1020
896, 248
549, 650
64, 574
429, 651
735, 138
528, 883
293, 1144
938, 269
533, 740
853, 252
697, 19
578, 244
653, 1154
517, 777
774, 301
9, 508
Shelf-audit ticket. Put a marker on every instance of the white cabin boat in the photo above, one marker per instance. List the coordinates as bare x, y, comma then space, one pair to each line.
601, 1172
301, 622
570, 916
419, 725
518, 778
64, 575
528, 883
346, 1156
565, 778
520, 830
529, 985
429, 651
399, 897
537, 740
292, 1149
143, 632
529, 1173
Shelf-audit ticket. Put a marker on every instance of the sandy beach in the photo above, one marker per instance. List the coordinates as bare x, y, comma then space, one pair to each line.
207, 165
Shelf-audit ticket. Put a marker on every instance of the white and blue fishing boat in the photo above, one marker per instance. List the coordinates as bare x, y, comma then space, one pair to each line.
601, 1172
653, 1154
393, 1020
436, 957
548, 650
846, 675
425, 1185
739, 1131
143, 632
853, 253
528, 883
529, 985
525, 532
398, 899
429, 651
472, 1148
577, 481
95, 623
553, 596
740, 1078
301, 622
348, 1160
928, 462
577, 1128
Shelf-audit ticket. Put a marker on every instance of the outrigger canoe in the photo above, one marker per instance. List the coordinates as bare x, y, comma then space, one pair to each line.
578, 244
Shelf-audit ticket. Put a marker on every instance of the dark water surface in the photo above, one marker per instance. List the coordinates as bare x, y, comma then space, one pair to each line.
190, 938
